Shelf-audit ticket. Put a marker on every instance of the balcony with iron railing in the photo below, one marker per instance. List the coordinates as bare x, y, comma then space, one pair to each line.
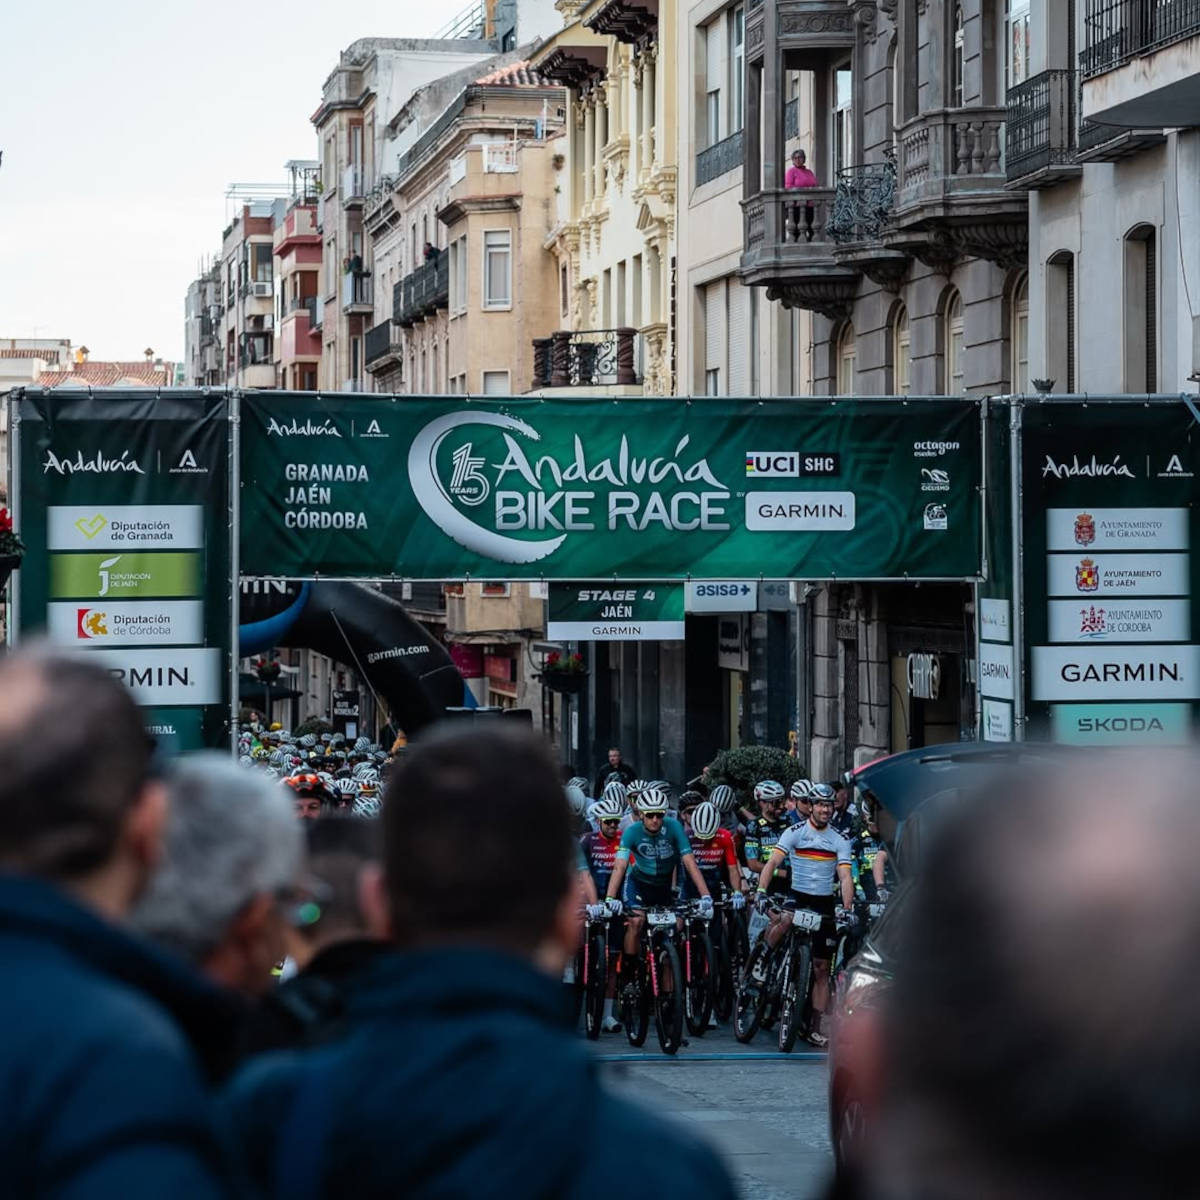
352, 192
423, 291
594, 358
358, 293
1140, 63
863, 206
789, 248
1040, 134
719, 159
382, 347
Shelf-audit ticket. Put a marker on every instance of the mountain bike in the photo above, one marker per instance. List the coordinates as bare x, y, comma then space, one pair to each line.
699, 967
652, 981
731, 948
592, 973
851, 936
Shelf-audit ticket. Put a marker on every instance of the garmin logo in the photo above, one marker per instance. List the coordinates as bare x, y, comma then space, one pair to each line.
310, 428
96, 465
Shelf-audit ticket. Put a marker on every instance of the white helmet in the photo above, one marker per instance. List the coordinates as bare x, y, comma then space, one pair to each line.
637, 787
347, 787
706, 820
652, 800
724, 797
608, 809
615, 790
576, 800
768, 789
801, 789
367, 806
579, 782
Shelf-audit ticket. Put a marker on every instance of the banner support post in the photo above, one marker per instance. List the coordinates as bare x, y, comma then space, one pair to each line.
1016, 412
13, 608
235, 515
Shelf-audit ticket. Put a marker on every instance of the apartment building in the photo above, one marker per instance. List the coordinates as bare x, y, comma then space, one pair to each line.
372, 80
459, 238
299, 310
615, 235
1104, 136
204, 353
245, 326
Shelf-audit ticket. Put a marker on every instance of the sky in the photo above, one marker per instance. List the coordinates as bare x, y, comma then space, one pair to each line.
123, 124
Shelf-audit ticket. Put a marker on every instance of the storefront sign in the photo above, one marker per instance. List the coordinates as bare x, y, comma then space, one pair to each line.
1121, 724
122, 498
500, 668
528, 488
997, 721
1104, 673
995, 670
734, 595
468, 659
995, 622
733, 643
924, 676
1119, 620
618, 613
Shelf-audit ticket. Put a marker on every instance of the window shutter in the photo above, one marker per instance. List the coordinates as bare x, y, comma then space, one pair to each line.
714, 329
1151, 315
739, 339
1070, 281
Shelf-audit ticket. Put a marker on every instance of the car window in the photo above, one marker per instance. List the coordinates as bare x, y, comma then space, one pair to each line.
885, 934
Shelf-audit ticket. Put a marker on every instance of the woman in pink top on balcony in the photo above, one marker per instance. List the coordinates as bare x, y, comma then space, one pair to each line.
799, 176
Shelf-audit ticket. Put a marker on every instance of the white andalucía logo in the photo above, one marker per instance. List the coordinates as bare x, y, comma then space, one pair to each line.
574, 493
310, 428
1091, 469
96, 465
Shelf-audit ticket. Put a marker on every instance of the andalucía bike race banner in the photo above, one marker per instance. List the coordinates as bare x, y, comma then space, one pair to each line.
122, 500
451, 488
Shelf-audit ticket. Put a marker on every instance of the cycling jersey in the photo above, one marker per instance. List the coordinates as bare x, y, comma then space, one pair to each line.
843, 821
761, 837
865, 849
600, 854
814, 856
714, 858
655, 855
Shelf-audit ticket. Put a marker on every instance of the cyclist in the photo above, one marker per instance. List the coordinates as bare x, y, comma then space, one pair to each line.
715, 855
818, 855
843, 811
658, 847
799, 804
870, 858
725, 798
600, 853
688, 803
577, 802
764, 831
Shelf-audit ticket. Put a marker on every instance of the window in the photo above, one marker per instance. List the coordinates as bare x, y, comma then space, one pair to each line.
956, 66
737, 69
497, 268
716, 327
712, 381
1018, 337
261, 264
847, 360
715, 72
953, 344
1141, 310
1018, 42
901, 353
564, 294
843, 133
635, 300
458, 275
495, 383
619, 295
1060, 321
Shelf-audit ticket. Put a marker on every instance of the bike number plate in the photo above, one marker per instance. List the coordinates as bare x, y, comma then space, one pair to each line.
804, 919
660, 918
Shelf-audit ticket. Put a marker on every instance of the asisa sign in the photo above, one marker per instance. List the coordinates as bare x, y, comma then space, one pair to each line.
446, 488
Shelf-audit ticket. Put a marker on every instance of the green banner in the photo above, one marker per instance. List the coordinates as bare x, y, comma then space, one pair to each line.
622, 613
122, 500
450, 488
1109, 504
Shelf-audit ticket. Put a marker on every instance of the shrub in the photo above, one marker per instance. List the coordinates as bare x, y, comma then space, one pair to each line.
314, 725
745, 766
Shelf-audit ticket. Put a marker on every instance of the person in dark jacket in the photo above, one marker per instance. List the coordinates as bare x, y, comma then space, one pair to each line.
100, 1093
456, 1075
614, 767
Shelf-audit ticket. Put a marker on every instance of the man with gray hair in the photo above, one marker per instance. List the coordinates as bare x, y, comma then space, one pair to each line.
222, 896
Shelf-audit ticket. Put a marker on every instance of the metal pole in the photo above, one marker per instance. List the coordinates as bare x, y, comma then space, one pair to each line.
12, 614
235, 522
1016, 412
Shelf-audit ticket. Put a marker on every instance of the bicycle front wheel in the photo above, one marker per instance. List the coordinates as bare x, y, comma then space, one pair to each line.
635, 1003
700, 985
795, 996
668, 997
751, 997
595, 983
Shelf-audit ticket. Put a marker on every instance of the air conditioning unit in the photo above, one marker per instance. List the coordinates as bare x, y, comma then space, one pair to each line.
262, 289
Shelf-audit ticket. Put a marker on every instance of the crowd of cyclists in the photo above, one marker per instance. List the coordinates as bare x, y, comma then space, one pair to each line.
759, 857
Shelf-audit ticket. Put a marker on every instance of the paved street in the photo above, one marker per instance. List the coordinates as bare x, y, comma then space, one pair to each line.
766, 1114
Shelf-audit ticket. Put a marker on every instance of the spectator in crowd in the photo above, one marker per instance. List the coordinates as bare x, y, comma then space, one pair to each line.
455, 1075
227, 885
330, 941
1042, 1034
100, 1092
615, 767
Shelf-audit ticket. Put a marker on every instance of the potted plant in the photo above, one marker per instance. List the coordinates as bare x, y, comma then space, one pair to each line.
566, 674
12, 549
